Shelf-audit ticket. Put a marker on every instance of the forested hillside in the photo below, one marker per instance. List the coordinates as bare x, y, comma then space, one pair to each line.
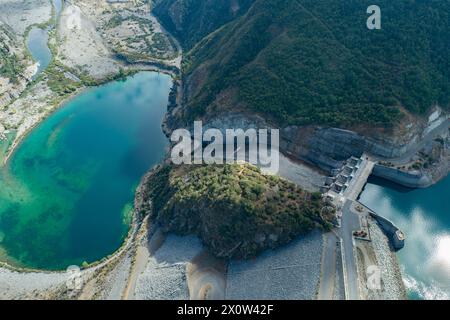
315, 62
191, 20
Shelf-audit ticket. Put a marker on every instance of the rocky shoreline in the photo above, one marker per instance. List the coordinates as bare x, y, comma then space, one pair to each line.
380, 254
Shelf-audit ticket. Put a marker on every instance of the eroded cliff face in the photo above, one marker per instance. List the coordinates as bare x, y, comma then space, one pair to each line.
326, 147
424, 140
420, 157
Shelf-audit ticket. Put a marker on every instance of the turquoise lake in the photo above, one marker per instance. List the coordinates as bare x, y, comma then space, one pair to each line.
67, 193
424, 215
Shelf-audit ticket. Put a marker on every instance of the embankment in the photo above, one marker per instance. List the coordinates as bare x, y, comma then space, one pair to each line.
414, 179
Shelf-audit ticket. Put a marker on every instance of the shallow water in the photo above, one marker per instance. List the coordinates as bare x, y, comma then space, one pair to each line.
57, 4
37, 43
66, 192
424, 215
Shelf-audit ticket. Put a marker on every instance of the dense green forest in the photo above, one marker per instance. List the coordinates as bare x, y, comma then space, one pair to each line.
315, 62
230, 207
191, 20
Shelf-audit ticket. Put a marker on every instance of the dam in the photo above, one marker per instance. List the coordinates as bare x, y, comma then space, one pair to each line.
342, 190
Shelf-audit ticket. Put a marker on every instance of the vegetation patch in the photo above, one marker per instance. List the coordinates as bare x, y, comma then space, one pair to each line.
11, 65
235, 209
303, 62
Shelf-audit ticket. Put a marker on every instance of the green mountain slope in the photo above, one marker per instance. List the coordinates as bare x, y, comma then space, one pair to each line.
315, 62
191, 20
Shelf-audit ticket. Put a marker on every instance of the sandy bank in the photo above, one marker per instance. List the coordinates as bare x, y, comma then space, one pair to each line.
206, 277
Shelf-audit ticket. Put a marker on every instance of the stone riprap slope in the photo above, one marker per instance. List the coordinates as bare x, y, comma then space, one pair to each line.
291, 272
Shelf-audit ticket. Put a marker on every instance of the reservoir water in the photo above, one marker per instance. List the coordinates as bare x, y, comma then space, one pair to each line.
57, 4
67, 192
37, 41
37, 44
424, 215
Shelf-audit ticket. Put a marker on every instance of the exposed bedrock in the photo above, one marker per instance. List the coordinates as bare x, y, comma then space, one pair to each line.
326, 148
